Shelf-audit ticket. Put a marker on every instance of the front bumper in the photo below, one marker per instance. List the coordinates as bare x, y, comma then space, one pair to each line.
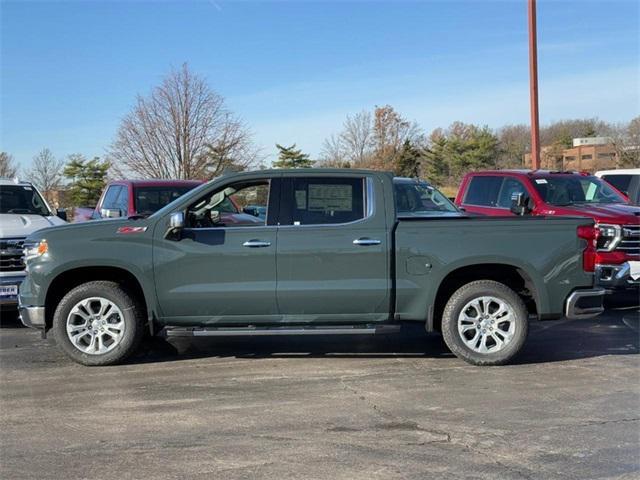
11, 300
581, 304
32, 317
615, 277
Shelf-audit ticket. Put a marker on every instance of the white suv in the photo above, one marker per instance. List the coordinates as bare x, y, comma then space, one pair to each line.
22, 211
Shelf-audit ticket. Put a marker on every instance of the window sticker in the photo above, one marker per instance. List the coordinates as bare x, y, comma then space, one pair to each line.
301, 199
330, 198
541, 180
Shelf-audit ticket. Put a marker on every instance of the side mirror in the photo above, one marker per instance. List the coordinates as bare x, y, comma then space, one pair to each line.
520, 204
176, 224
61, 213
216, 218
110, 213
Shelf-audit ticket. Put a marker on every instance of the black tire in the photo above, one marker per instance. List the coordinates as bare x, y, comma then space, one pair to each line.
468, 293
133, 318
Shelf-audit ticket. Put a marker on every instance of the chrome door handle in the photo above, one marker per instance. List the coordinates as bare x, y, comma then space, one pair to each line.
364, 242
256, 244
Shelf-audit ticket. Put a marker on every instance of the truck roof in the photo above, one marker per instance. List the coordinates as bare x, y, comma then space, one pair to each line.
14, 181
157, 183
528, 172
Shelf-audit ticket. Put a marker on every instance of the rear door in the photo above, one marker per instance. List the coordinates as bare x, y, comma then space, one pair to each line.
333, 249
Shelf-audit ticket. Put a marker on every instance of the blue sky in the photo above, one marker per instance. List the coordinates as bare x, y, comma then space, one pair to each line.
293, 70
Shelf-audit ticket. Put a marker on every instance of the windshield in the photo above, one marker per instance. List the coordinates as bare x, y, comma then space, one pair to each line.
420, 198
22, 199
574, 189
149, 200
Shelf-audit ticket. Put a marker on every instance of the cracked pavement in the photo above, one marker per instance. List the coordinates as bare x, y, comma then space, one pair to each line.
396, 406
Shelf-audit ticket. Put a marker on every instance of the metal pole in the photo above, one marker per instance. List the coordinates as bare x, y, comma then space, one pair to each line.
533, 84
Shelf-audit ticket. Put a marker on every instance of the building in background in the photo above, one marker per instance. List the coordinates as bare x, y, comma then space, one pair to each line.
586, 154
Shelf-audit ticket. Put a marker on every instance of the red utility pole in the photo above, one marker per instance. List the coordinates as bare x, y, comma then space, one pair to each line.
533, 83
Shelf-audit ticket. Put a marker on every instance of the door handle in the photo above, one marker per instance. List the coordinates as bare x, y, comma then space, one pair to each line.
365, 242
256, 244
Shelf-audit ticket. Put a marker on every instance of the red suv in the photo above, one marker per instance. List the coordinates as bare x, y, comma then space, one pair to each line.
539, 192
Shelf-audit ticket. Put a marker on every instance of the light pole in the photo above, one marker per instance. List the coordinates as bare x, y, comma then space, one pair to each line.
533, 86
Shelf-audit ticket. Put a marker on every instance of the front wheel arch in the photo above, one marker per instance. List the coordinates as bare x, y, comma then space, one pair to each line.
70, 279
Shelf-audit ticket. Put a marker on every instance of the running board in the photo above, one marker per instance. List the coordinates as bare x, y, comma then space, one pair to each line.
271, 331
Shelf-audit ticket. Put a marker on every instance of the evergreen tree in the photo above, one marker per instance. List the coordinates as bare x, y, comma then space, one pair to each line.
87, 179
436, 161
409, 159
290, 157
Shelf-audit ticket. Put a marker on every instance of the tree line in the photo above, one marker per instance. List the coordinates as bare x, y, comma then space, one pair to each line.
182, 129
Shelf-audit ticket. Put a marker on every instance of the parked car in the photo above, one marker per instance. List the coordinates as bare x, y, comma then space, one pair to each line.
625, 180
131, 198
339, 252
23, 210
547, 193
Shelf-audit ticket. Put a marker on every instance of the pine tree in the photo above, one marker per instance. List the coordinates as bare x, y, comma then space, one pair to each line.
409, 159
88, 179
290, 157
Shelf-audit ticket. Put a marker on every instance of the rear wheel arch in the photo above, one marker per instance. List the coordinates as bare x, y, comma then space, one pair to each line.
66, 281
510, 275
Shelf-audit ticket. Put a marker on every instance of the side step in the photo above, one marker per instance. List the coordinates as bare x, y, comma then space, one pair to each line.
270, 331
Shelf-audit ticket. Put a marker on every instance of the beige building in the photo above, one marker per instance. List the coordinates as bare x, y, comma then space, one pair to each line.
587, 154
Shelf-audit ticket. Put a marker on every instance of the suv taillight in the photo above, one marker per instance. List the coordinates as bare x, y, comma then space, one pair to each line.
590, 234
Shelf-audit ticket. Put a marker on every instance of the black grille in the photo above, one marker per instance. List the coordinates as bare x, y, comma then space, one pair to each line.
630, 243
11, 255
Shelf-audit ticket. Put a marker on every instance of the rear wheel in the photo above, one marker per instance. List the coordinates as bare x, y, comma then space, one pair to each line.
98, 323
485, 323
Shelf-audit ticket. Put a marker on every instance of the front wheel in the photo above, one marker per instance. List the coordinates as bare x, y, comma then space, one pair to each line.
485, 323
98, 323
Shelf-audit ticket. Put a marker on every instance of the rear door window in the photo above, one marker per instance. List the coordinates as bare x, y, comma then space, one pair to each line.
325, 200
483, 191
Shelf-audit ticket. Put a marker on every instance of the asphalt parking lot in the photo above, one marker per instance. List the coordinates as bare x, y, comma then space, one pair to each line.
398, 406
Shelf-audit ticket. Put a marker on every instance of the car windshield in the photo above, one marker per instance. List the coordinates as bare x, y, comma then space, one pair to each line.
575, 189
420, 198
22, 199
149, 200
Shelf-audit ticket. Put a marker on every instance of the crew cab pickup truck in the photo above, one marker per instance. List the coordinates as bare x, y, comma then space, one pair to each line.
548, 193
339, 252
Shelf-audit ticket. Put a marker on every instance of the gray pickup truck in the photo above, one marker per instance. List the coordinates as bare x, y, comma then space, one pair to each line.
338, 252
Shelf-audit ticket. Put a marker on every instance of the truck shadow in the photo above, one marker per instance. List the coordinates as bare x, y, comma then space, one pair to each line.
615, 333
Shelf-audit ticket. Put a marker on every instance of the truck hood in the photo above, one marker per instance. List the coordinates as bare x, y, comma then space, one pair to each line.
13, 225
616, 213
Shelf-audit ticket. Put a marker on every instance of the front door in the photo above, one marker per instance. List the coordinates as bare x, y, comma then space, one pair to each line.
333, 251
222, 268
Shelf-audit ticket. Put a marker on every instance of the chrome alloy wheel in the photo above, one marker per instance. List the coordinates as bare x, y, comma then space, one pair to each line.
95, 325
486, 324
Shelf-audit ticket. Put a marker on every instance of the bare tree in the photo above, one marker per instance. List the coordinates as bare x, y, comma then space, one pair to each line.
8, 168
333, 153
357, 138
46, 173
515, 141
625, 138
181, 130
390, 131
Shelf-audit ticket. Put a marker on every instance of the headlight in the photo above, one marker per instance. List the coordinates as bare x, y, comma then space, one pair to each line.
608, 236
35, 249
